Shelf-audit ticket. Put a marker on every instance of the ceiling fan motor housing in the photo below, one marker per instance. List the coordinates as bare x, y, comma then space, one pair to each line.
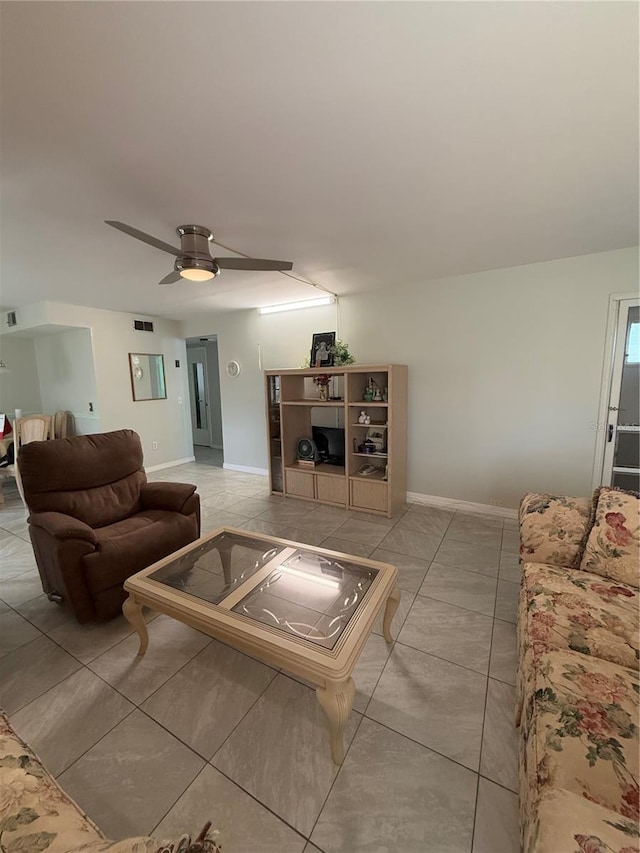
195, 253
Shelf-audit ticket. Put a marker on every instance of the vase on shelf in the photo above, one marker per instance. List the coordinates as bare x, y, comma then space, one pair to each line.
323, 392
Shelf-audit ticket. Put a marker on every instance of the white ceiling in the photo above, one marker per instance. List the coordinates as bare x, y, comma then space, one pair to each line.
371, 144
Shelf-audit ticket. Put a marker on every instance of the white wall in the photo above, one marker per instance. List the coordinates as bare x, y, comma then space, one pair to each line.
504, 371
113, 337
19, 389
66, 376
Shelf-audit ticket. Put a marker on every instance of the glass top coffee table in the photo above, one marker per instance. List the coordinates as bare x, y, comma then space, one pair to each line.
305, 609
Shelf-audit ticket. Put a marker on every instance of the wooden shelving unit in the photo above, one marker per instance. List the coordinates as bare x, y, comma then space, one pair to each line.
292, 402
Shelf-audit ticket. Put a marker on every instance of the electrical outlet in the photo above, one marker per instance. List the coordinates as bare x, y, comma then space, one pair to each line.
154, 445
496, 502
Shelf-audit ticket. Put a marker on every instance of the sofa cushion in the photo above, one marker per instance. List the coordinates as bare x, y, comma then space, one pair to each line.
572, 609
567, 822
553, 528
580, 732
613, 545
130, 545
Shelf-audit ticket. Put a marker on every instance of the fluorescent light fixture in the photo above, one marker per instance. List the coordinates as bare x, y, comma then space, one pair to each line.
293, 306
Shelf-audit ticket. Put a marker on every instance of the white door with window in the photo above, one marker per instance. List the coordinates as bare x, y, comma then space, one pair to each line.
199, 396
621, 465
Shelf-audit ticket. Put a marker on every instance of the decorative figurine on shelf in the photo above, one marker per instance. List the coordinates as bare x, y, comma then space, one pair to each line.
377, 396
322, 381
362, 419
367, 419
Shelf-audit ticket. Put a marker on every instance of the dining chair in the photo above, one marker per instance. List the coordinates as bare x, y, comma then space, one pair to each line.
61, 424
26, 430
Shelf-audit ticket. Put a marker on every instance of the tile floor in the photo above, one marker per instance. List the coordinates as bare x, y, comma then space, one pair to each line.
196, 731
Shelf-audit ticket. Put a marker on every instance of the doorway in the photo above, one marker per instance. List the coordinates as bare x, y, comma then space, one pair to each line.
621, 453
204, 400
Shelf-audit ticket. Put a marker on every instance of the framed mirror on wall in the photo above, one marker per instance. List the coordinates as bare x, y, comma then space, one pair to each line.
147, 376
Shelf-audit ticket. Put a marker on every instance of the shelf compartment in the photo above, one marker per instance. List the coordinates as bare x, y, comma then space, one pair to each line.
371, 425
372, 455
373, 478
362, 404
323, 469
314, 401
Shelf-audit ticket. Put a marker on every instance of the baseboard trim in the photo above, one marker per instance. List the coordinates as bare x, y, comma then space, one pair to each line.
151, 468
462, 506
246, 469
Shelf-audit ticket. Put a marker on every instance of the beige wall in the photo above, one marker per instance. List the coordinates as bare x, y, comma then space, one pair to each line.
19, 389
113, 337
504, 371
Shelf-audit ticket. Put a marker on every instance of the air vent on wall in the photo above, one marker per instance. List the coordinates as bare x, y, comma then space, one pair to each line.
143, 325
11, 319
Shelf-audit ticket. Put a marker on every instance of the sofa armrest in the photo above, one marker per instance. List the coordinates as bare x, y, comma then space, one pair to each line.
62, 526
172, 497
554, 528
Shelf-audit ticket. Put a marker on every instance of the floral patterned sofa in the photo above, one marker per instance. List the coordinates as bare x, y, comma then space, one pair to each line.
578, 677
36, 816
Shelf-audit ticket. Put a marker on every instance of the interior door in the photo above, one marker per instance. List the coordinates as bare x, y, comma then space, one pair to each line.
622, 443
199, 396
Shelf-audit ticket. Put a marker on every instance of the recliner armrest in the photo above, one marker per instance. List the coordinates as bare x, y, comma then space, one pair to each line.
62, 526
171, 497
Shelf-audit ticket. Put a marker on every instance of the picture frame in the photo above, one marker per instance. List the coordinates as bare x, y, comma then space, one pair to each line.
321, 355
146, 371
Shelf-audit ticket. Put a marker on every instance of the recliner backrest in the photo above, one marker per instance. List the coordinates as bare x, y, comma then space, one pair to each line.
95, 478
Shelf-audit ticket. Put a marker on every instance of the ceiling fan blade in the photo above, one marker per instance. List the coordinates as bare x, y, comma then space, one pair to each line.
252, 264
171, 278
140, 235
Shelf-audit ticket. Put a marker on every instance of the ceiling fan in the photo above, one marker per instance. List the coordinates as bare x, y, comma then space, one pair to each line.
193, 258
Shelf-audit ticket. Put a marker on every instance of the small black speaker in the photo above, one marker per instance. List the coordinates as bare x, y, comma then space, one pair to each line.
307, 450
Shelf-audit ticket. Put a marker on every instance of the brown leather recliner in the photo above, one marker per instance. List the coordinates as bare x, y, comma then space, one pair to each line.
95, 520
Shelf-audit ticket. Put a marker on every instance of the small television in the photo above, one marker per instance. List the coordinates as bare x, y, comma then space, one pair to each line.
330, 444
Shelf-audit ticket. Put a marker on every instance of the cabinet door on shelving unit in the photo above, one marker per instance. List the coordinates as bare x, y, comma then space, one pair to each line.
369, 495
300, 483
331, 489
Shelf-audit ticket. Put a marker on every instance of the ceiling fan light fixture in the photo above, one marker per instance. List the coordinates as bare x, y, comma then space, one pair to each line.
197, 274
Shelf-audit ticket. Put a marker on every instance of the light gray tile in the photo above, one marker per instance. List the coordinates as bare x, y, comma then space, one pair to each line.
496, 829
32, 670
171, 645
311, 848
220, 679
393, 795
437, 703
343, 546
504, 652
299, 534
285, 513
406, 600
411, 542
318, 523
511, 524
18, 527
15, 632
22, 587
88, 641
511, 541
213, 519
70, 718
280, 753
477, 535
509, 567
374, 518
449, 632
364, 532
499, 743
222, 500
250, 507
368, 669
336, 512
44, 614
411, 570
477, 520
464, 589
433, 523
113, 781
433, 510
507, 601
245, 826
469, 556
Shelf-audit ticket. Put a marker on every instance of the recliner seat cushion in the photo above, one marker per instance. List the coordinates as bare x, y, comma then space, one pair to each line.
133, 544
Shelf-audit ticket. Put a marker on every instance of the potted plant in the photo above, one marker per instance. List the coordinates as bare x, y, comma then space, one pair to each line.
341, 354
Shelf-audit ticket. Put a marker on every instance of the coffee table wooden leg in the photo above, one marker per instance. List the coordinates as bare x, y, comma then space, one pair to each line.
132, 610
336, 700
389, 612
